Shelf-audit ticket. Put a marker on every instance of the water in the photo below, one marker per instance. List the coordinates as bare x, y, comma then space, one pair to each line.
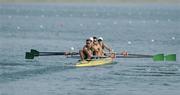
141, 29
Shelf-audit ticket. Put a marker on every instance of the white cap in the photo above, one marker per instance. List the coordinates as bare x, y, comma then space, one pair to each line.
91, 38
100, 38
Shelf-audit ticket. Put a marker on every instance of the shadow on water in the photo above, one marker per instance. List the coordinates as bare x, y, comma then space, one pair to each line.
13, 76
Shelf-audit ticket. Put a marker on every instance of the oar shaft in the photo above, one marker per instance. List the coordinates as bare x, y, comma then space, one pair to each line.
37, 53
130, 56
141, 55
56, 53
51, 53
136, 54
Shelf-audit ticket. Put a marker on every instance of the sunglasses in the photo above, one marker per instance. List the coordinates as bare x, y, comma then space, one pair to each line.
95, 40
88, 43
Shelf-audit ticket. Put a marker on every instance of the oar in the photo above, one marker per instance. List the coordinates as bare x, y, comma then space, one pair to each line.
139, 55
143, 55
157, 57
170, 57
33, 53
37, 53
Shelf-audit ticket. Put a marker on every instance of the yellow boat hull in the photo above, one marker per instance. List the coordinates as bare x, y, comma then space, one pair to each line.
94, 62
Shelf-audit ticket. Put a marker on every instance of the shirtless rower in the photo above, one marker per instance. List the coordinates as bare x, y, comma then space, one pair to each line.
103, 45
97, 49
86, 52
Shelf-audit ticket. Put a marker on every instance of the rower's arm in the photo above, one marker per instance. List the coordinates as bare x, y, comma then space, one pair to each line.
88, 52
109, 49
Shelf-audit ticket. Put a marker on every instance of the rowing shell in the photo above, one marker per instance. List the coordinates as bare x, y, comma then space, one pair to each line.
94, 62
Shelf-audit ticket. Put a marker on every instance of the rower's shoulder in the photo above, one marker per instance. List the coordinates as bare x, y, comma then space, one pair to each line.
84, 47
103, 44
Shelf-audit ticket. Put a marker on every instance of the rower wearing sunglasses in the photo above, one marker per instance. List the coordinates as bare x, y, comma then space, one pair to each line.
97, 49
86, 53
103, 45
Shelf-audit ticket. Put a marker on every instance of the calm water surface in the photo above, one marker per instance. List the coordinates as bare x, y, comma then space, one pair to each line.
141, 29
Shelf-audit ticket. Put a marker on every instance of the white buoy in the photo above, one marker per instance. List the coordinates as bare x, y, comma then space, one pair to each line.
98, 23
173, 38
129, 42
152, 40
81, 24
18, 27
41, 26
72, 48
112, 50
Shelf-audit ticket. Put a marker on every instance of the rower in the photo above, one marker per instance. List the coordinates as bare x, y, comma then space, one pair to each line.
97, 49
86, 52
91, 38
103, 45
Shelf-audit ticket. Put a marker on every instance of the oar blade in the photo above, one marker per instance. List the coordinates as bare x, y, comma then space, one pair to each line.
170, 57
35, 52
158, 57
29, 55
